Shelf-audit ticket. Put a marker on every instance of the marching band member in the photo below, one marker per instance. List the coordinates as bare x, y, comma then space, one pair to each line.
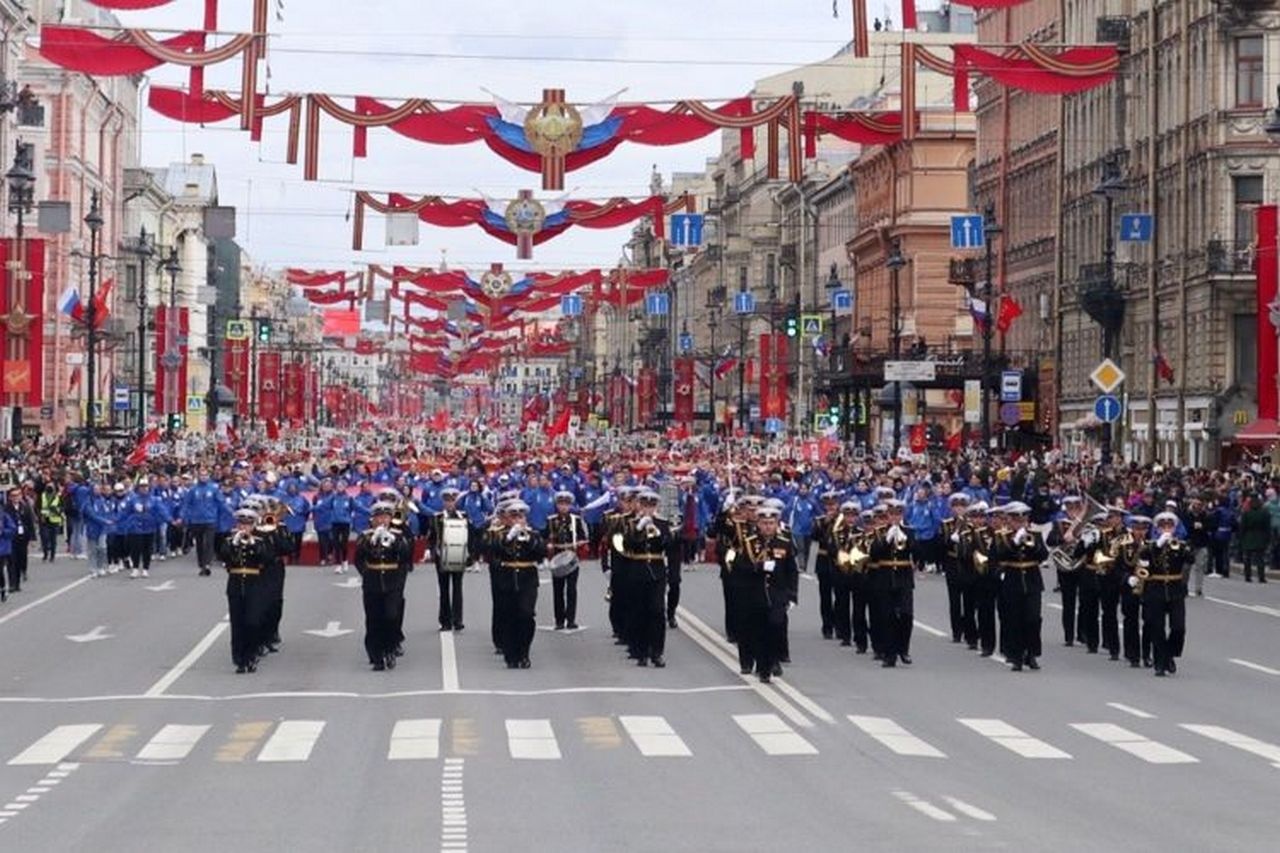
822, 535
566, 533
766, 580
957, 502
891, 578
516, 549
1131, 553
647, 541
973, 553
1017, 555
245, 555
1065, 536
846, 540
383, 556
449, 577
1113, 538
1089, 552
1164, 594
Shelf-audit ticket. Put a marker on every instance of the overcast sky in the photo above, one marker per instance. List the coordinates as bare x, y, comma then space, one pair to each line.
657, 50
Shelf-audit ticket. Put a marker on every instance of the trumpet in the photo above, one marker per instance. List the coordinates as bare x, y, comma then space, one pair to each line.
980, 561
1102, 561
851, 560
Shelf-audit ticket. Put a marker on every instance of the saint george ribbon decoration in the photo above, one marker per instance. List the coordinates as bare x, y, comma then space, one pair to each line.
553, 129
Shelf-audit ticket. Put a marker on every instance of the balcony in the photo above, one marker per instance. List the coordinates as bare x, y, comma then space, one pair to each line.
1101, 296
1224, 258
965, 271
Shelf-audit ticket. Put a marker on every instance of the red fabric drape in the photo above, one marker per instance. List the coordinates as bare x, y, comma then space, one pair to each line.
215, 106
684, 377
294, 390
317, 297
320, 278
235, 372
84, 50
866, 128
130, 4
1267, 268
909, 15
22, 354
1034, 69
269, 378
773, 375
164, 316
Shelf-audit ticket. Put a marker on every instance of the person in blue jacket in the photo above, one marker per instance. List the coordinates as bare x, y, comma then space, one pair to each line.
295, 518
341, 506
362, 509
477, 505
541, 500
925, 524
98, 515
8, 530
322, 519
800, 519
198, 512
228, 503
142, 515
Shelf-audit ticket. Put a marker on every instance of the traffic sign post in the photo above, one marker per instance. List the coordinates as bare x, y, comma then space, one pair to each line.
744, 302
657, 304
967, 231
571, 305
842, 301
811, 325
1136, 227
1010, 386
1010, 414
120, 399
237, 330
1107, 376
1108, 408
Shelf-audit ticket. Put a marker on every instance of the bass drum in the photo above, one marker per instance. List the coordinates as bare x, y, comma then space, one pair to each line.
453, 545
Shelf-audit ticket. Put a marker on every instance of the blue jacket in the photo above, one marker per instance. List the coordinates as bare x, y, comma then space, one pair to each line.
295, 521
228, 503
361, 504
99, 515
542, 503
477, 506
141, 513
322, 512
803, 512
200, 504
923, 519
8, 530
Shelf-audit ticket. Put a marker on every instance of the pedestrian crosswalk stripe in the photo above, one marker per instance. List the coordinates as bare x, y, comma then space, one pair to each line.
242, 740
533, 739
654, 737
414, 739
969, 809
111, 745
925, 807
56, 745
895, 737
1269, 751
292, 740
1133, 743
599, 732
172, 743
773, 735
1013, 739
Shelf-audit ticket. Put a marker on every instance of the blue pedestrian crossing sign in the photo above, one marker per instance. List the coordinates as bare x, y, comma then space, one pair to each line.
686, 342
1136, 227
1107, 408
744, 302
571, 305
966, 231
657, 304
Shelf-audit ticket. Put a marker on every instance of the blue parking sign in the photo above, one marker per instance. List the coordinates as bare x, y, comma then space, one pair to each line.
1136, 227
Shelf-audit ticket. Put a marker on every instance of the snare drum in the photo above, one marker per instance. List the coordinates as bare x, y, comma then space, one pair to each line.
453, 545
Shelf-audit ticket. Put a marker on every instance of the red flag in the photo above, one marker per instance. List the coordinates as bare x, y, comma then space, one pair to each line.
953, 442
101, 310
561, 424
273, 429
1163, 368
1010, 310
139, 454
440, 420
919, 442
75, 378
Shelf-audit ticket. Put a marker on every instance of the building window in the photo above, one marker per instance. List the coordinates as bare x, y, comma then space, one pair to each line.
1246, 192
131, 282
1249, 83
1244, 358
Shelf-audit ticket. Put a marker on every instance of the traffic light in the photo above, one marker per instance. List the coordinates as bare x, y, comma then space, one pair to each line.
176, 422
793, 325
834, 411
264, 331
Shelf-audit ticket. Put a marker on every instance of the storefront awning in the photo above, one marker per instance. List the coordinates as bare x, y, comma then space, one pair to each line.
1262, 431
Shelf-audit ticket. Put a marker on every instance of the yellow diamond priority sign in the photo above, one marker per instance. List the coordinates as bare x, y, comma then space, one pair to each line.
1107, 376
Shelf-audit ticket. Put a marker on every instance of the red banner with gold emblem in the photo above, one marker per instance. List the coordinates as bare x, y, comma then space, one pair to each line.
773, 376
235, 372
294, 391
269, 385
646, 396
684, 377
171, 359
22, 322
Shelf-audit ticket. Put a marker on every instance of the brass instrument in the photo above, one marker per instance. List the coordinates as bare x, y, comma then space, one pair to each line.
851, 560
1141, 573
980, 561
1102, 561
522, 533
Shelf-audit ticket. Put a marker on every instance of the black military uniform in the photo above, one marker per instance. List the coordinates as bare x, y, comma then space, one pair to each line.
891, 580
958, 582
245, 555
516, 550
732, 526
848, 582
383, 557
766, 582
978, 586
1064, 535
647, 542
822, 536
279, 546
404, 508
1164, 595
566, 532
1017, 555
450, 582
1130, 557
1112, 541
1089, 553
616, 564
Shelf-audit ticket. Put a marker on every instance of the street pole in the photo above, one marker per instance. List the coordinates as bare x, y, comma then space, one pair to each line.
896, 262
712, 324
144, 251
1108, 335
93, 219
21, 179
170, 360
990, 230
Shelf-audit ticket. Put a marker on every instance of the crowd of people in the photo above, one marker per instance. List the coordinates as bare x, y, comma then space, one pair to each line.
1125, 543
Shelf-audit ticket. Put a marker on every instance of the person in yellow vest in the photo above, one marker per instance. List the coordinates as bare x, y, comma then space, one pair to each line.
52, 518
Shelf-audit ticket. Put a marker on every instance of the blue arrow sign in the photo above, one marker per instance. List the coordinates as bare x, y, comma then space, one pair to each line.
1107, 408
679, 229
773, 425
695, 230
686, 342
744, 302
657, 304
571, 305
842, 301
966, 231
1136, 227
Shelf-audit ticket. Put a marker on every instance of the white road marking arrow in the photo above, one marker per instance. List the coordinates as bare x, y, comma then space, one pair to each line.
167, 586
349, 583
98, 633
329, 631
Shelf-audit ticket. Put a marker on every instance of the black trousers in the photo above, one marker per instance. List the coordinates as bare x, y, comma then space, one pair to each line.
1165, 625
826, 600
117, 548
383, 605
1069, 586
324, 544
1020, 610
1109, 601
1131, 610
984, 596
341, 537
961, 628
49, 539
202, 537
730, 616
246, 607
495, 625
896, 610
564, 598
140, 545
515, 607
1088, 615
18, 565
762, 631
273, 578
649, 627
295, 546
738, 613
673, 589
450, 614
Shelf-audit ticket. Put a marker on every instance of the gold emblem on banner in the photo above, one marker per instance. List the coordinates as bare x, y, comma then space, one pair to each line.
18, 322
496, 282
525, 215
553, 128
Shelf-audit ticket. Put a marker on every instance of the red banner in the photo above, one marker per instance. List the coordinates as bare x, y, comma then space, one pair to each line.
684, 378
313, 391
1267, 267
646, 396
235, 373
773, 376
22, 323
340, 323
171, 360
294, 391
269, 385
618, 388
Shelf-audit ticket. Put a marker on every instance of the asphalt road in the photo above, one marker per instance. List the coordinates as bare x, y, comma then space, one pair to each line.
124, 727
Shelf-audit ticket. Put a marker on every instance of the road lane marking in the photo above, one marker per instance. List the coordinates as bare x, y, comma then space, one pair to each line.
172, 743
242, 740
1133, 743
19, 804
969, 809
292, 740
14, 614
1269, 751
722, 650
654, 737
599, 732
414, 740
112, 743
895, 737
166, 681
1132, 711
453, 807
532, 739
1256, 667
1013, 739
773, 735
1252, 608
56, 745
928, 629
448, 663
925, 807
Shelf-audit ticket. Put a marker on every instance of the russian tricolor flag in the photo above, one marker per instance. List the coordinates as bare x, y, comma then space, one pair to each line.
69, 303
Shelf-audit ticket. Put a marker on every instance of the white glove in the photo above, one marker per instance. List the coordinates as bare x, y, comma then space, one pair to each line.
513, 533
769, 566
1020, 536
955, 538
791, 605
644, 521
1090, 538
1164, 539
1133, 581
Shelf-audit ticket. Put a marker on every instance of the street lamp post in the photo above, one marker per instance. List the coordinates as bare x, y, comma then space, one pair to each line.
1111, 186
171, 360
21, 179
713, 323
145, 250
990, 230
833, 284
895, 262
94, 220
